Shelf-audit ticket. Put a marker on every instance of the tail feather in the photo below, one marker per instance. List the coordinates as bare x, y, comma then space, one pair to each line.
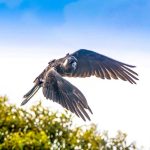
30, 94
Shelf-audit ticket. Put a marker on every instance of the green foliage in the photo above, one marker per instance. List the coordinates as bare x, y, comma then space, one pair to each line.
43, 129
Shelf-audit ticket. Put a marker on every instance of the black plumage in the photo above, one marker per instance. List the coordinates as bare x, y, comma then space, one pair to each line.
82, 63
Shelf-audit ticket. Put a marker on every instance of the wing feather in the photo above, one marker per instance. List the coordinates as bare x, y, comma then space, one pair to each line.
100, 71
111, 72
92, 63
63, 92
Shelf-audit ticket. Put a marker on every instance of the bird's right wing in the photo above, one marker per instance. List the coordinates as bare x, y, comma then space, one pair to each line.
92, 63
63, 92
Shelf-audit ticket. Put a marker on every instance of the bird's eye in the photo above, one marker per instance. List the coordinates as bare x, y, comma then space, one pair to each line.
71, 61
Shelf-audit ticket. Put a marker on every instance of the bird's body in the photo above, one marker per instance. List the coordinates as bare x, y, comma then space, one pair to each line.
82, 63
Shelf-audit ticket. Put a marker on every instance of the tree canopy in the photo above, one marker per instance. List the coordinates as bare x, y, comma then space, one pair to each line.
42, 129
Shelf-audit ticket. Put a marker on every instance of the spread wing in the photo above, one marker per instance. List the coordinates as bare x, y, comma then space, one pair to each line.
63, 92
92, 63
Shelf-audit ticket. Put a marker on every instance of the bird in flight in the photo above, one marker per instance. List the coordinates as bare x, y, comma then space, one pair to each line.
81, 63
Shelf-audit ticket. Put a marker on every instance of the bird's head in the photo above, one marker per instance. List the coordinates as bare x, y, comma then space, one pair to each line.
70, 63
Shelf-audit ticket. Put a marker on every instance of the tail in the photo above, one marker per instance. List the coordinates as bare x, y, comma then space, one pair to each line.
30, 94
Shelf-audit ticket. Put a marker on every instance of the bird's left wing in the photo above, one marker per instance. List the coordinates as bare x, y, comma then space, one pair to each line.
63, 92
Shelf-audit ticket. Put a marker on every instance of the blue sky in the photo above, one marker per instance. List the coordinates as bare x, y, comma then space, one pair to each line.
46, 11
116, 13
32, 32
45, 23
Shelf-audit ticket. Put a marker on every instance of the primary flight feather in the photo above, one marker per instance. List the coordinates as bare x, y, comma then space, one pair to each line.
82, 63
